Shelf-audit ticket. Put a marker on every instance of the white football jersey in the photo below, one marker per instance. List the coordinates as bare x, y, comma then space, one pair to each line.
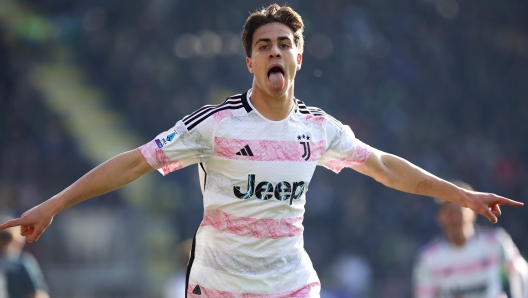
473, 270
254, 175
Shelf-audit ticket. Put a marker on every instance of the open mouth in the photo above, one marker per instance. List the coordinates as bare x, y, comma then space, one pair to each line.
274, 70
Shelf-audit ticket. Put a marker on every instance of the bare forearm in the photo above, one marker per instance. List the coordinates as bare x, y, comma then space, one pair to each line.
410, 178
110, 175
400, 174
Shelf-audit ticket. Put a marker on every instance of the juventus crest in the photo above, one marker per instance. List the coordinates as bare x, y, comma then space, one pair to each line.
306, 145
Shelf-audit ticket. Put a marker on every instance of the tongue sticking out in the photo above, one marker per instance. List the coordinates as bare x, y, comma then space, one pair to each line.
276, 80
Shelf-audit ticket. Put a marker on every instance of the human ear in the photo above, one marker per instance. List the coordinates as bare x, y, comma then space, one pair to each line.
249, 64
299, 61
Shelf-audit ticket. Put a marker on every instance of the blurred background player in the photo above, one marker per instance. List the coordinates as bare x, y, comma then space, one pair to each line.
20, 273
468, 260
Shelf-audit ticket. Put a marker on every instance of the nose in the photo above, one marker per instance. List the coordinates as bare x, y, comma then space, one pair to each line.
274, 53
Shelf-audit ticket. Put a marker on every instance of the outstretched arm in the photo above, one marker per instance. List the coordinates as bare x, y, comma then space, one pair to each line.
110, 175
400, 174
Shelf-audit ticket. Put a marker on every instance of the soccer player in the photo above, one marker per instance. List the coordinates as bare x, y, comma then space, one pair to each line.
468, 261
256, 152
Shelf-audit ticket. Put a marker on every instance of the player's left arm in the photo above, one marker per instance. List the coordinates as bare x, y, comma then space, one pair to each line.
400, 174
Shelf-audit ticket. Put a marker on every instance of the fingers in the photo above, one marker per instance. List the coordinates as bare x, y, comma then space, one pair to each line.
490, 216
35, 234
11, 223
32, 233
508, 202
495, 209
493, 203
26, 230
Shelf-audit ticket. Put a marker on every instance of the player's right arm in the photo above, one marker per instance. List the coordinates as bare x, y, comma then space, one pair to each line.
110, 175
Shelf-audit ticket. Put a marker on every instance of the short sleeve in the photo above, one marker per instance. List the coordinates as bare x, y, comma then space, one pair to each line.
179, 147
344, 150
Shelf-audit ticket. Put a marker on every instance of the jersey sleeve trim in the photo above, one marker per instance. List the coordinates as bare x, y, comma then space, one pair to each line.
157, 158
359, 156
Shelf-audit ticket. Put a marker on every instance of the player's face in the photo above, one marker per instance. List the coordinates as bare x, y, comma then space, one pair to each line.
453, 216
274, 60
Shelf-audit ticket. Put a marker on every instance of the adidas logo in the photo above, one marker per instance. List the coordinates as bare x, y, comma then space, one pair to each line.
197, 290
246, 151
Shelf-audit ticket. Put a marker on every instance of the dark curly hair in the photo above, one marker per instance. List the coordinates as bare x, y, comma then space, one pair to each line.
273, 13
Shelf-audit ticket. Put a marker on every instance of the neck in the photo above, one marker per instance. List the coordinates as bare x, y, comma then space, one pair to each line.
460, 236
272, 107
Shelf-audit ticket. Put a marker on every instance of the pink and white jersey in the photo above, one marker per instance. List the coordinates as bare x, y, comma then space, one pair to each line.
472, 271
254, 174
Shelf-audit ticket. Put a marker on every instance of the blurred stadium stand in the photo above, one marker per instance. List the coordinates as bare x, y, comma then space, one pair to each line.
442, 83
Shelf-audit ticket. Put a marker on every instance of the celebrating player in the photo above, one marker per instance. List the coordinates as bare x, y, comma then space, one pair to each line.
468, 261
256, 152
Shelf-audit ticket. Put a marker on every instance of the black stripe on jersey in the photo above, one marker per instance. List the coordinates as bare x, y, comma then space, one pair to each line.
318, 112
204, 109
190, 263
201, 110
205, 175
232, 103
303, 109
209, 114
205, 113
245, 103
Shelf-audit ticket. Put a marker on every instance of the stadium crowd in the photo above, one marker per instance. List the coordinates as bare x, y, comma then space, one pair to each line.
442, 83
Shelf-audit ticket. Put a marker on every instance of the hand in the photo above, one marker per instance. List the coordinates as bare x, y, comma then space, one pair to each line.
32, 223
487, 204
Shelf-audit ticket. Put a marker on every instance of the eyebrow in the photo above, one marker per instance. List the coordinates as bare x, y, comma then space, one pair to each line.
280, 38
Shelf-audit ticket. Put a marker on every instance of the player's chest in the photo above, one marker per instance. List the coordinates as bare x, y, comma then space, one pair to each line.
275, 142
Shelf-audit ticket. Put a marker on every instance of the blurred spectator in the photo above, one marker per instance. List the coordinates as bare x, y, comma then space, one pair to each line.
468, 261
22, 275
